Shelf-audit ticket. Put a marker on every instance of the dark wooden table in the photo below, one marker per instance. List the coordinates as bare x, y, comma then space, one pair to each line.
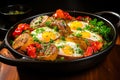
109, 69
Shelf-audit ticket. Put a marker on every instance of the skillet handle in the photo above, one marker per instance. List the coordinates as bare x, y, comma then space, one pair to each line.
4, 45
111, 13
7, 57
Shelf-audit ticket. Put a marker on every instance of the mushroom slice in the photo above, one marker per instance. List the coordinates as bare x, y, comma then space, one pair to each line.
28, 42
64, 30
50, 53
20, 40
38, 21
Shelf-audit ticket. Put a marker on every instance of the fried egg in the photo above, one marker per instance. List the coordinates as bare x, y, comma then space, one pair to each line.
45, 34
88, 35
77, 25
68, 48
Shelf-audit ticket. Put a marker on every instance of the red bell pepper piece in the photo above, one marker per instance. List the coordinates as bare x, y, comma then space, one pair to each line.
89, 51
21, 27
17, 32
31, 51
67, 15
79, 18
59, 14
96, 45
32, 48
62, 14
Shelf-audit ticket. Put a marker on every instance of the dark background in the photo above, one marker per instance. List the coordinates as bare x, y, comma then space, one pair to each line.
41, 6
82, 5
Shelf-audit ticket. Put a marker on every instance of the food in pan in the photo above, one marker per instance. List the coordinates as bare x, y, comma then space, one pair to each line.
61, 36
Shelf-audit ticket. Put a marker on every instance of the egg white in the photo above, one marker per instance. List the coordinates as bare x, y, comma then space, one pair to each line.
76, 49
88, 35
94, 36
76, 25
39, 32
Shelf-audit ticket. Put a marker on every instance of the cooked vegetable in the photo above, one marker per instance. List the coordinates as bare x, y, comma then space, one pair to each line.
61, 37
62, 14
21, 27
50, 53
100, 28
20, 40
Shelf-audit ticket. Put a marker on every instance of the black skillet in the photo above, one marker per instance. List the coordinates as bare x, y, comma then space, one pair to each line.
74, 65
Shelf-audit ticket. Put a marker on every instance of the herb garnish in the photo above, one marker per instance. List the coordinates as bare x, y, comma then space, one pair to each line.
99, 27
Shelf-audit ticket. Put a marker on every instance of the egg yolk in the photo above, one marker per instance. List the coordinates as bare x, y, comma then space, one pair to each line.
47, 36
85, 34
67, 50
75, 25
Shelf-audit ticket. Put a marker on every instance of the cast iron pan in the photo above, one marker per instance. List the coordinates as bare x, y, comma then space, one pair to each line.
74, 65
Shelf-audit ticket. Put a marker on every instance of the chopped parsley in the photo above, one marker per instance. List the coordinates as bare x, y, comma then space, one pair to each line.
55, 28
79, 51
99, 27
63, 38
39, 30
79, 28
78, 35
48, 23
